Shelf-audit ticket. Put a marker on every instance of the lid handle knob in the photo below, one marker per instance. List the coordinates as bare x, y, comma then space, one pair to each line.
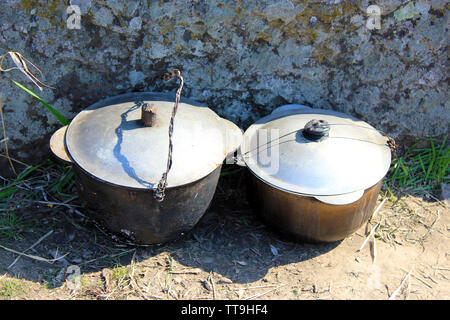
316, 130
148, 115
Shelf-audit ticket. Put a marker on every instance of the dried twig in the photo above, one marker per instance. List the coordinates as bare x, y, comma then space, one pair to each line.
440, 268
134, 283
114, 289
373, 249
107, 276
5, 139
33, 256
379, 208
408, 288
31, 247
428, 285
260, 287
15, 160
185, 272
260, 294
210, 278
431, 226
65, 204
21, 64
372, 231
394, 294
106, 256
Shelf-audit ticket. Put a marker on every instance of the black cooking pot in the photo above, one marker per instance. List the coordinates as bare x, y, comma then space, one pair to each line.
118, 148
315, 174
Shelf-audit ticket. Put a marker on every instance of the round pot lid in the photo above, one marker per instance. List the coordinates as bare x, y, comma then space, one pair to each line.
109, 141
315, 152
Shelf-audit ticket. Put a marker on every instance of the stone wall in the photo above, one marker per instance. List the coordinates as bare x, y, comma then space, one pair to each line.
243, 58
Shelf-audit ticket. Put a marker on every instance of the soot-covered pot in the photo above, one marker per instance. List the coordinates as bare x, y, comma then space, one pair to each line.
118, 148
315, 174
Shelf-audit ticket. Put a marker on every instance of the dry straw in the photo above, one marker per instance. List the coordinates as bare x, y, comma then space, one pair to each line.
21, 64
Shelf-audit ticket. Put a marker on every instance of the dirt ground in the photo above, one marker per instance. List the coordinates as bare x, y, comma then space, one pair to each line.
231, 254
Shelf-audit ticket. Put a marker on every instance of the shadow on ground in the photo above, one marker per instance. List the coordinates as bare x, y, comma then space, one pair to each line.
229, 240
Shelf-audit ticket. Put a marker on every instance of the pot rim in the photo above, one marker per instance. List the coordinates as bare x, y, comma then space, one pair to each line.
351, 157
107, 166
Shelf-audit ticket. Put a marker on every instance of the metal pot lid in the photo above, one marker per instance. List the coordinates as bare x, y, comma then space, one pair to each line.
109, 141
315, 152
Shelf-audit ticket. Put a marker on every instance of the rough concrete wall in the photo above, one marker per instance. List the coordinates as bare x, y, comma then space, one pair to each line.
242, 58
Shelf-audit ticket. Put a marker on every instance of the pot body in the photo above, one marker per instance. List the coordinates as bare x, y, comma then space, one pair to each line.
135, 215
307, 219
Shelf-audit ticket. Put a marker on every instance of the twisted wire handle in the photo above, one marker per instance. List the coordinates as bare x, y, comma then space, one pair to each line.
160, 190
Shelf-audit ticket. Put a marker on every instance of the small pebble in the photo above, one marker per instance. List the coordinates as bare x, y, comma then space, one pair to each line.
207, 285
225, 280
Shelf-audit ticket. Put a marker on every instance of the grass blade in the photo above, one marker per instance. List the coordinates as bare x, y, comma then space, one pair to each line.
421, 168
63, 120
27, 172
7, 192
17, 180
433, 159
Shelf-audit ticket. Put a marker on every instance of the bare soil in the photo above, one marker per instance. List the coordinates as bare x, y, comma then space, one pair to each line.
231, 254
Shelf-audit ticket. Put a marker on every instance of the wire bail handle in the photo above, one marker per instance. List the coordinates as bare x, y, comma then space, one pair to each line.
159, 193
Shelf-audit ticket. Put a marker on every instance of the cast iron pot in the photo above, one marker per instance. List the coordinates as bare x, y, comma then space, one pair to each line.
118, 157
315, 174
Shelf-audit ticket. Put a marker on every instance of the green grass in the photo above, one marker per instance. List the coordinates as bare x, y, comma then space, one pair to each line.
119, 272
423, 167
51, 176
36, 185
12, 226
9, 289
10, 188
22, 65
63, 120
64, 183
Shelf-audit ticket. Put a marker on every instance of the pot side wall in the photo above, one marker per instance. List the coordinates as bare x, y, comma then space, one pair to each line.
135, 216
306, 218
